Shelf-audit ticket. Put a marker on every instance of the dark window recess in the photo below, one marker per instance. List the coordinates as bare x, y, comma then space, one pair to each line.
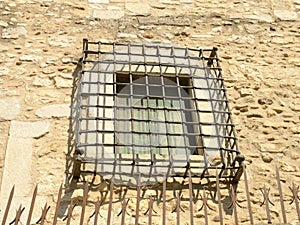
146, 112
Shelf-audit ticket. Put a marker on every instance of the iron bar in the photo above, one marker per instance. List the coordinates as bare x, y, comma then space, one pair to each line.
150, 210
248, 196
44, 213
111, 193
296, 198
97, 209
124, 205
8, 205
70, 211
57, 205
219, 197
191, 196
178, 209
18, 214
281, 196
32, 205
84, 201
266, 201
138, 200
164, 201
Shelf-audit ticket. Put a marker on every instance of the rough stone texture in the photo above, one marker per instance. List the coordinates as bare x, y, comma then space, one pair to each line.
258, 44
57, 110
35, 129
10, 108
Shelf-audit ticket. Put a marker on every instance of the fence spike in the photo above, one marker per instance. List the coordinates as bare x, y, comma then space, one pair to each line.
164, 195
84, 201
124, 204
44, 213
138, 193
8, 205
296, 198
219, 197
111, 193
191, 196
248, 196
32, 205
280, 195
57, 205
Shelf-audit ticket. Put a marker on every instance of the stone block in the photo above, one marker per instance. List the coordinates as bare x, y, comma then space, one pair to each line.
57, 110
10, 108
108, 14
20, 129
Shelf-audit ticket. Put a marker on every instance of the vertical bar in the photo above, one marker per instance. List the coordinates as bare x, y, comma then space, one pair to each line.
124, 204
111, 193
248, 195
280, 195
233, 194
164, 201
138, 199
178, 210
18, 215
97, 208
44, 213
8, 205
219, 197
32, 205
150, 210
57, 205
267, 204
85, 196
191, 198
204, 200
70, 210
295, 193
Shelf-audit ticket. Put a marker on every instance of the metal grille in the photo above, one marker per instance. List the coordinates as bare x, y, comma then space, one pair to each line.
147, 112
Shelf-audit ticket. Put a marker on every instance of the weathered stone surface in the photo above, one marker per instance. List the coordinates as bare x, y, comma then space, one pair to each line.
138, 9
108, 14
98, 1
10, 108
126, 35
30, 58
166, 20
4, 71
14, 32
62, 41
266, 157
35, 129
285, 15
57, 110
61, 82
271, 148
42, 82
3, 24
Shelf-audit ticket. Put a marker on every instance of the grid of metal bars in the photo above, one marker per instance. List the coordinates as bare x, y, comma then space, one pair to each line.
183, 87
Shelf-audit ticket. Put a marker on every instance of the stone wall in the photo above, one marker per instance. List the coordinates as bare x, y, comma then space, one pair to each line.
259, 47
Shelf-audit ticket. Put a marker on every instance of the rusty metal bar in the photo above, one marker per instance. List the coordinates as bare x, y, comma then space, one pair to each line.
178, 209
138, 199
18, 214
150, 210
57, 205
69, 214
44, 213
124, 204
204, 200
164, 201
219, 197
281, 196
84, 201
266, 201
191, 196
32, 205
234, 205
8, 205
97, 209
295, 198
111, 193
248, 196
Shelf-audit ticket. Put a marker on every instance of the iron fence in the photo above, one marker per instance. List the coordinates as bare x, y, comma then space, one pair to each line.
198, 200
